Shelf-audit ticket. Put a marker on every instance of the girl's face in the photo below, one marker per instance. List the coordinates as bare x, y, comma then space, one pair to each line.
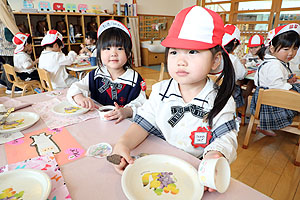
254, 50
284, 54
89, 41
190, 67
28, 48
113, 57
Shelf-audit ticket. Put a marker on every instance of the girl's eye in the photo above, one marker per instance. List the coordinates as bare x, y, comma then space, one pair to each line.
120, 48
193, 52
173, 52
106, 48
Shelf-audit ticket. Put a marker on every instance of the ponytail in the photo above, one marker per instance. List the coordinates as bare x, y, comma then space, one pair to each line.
226, 88
262, 52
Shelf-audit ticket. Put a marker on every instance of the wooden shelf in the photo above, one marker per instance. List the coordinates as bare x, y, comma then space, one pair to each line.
80, 20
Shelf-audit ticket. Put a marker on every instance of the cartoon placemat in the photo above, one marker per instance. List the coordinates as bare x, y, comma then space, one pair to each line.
57, 141
47, 164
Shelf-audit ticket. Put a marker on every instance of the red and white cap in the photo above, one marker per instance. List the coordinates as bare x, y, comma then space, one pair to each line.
231, 32
20, 40
110, 24
282, 29
255, 40
195, 28
51, 37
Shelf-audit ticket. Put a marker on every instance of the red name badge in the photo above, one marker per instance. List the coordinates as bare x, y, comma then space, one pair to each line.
201, 137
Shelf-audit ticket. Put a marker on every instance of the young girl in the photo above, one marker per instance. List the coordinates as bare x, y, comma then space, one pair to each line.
275, 73
251, 59
54, 61
113, 83
189, 106
230, 41
90, 44
23, 64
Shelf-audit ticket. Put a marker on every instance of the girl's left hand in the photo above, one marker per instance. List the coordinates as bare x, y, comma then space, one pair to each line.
293, 79
119, 113
211, 155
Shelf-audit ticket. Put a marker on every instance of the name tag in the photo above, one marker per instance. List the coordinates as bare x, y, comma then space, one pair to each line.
200, 138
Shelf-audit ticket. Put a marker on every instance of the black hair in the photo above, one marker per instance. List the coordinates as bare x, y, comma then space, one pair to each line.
283, 40
261, 46
57, 41
225, 89
29, 40
115, 37
92, 35
230, 47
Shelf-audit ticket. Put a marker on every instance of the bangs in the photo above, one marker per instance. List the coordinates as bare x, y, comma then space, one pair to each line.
288, 39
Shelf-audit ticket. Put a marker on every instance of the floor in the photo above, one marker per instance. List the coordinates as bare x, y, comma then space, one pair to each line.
267, 164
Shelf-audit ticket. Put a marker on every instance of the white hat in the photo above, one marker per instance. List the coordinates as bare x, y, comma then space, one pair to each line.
282, 29
20, 40
195, 28
255, 40
110, 24
231, 33
51, 37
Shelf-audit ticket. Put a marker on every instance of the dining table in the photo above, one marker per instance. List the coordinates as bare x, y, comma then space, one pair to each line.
81, 70
95, 178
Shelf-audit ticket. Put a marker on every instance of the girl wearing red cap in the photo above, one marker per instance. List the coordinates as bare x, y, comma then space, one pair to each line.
190, 105
23, 64
113, 82
256, 42
275, 73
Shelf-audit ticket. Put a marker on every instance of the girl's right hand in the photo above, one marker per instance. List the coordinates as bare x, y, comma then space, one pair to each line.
85, 102
123, 151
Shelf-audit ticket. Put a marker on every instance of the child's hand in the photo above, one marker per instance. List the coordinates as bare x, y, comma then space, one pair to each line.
212, 155
85, 102
292, 79
119, 113
126, 159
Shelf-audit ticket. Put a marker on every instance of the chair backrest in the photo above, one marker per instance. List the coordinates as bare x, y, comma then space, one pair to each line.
45, 79
161, 72
149, 83
11, 73
287, 99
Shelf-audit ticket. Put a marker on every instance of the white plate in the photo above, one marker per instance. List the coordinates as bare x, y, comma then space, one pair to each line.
60, 109
30, 118
184, 174
35, 183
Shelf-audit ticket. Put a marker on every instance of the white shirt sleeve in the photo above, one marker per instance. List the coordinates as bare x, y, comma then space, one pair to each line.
227, 144
136, 103
80, 87
66, 60
240, 70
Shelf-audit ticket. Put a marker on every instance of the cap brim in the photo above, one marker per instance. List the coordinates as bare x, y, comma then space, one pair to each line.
186, 44
19, 48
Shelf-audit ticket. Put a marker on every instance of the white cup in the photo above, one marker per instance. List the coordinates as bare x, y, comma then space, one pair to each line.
215, 174
2, 108
104, 110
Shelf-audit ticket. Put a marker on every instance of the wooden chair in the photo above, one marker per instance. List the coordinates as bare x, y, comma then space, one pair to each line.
149, 83
161, 72
45, 79
26, 86
279, 98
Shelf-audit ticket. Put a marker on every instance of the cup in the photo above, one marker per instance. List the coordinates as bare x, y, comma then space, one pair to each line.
104, 110
215, 174
93, 61
2, 108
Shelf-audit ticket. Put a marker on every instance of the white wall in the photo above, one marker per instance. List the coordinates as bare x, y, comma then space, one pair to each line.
151, 7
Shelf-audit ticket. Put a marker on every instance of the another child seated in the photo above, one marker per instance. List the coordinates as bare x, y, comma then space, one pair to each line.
23, 64
275, 73
54, 61
180, 108
230, 41
256, 42
113, 82
90, 44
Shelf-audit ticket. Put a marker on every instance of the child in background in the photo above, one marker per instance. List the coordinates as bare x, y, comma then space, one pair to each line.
256, 42
230, 41
23, 64
90, 44
114, 82
275, 73
54, 61
178, 109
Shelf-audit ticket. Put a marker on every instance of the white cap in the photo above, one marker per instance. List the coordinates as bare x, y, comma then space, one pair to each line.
20, 40
231, 33
282, 29
110, 24
51, 37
